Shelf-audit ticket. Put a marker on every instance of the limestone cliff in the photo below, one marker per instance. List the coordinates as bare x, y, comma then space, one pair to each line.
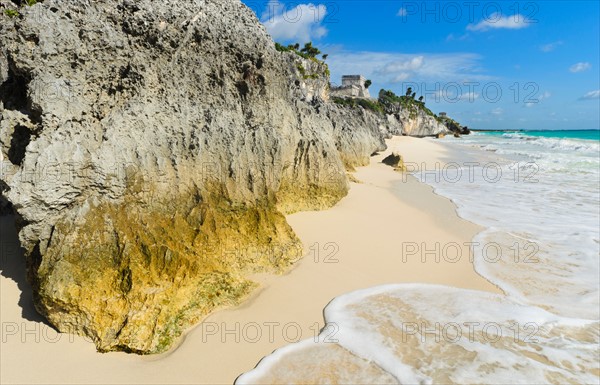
415, 123
149, 149
394, 115
406, 116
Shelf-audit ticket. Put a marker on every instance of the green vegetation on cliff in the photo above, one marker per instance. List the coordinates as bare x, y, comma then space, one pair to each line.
20, 3
388, 103
11, 13
391, 101
367, 104
308, 52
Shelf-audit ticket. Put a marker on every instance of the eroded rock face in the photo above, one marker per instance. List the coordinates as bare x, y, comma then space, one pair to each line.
413, 122
149, 150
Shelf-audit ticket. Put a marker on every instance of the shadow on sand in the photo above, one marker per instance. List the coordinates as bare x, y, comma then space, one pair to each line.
12, 266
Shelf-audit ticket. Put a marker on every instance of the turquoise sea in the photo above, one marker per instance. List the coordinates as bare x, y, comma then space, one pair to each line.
560, 134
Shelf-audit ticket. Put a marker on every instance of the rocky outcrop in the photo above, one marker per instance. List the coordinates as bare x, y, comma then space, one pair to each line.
412, 122
311, 78
407, 116
357, 133
395, 160
418, 123
395, 115
455, 127
149, 150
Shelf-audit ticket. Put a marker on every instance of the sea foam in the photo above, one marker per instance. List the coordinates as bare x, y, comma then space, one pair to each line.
422, 334
542, 219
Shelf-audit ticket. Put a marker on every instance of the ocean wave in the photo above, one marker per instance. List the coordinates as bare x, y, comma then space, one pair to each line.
552, 202
423, 334
568, 144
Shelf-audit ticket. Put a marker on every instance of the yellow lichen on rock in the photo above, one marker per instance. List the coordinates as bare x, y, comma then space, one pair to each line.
133, 276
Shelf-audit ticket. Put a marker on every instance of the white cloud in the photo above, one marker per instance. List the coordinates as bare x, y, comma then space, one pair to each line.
442, 95
301, 24
469, 96
580, 67
450, 95
539, 98
497, 21
402, 12
497, 111
412, 64
591, 95
452, 37
401, 77
388, 68
550, 46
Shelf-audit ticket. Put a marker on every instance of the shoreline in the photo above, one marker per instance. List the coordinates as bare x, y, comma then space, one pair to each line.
354, 245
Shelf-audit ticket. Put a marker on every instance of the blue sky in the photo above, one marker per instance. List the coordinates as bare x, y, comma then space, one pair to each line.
490, 65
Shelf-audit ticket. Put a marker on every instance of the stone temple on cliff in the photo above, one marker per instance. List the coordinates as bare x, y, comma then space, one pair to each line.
353, 86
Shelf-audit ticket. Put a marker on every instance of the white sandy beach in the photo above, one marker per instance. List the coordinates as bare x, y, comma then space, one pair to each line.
360, 245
